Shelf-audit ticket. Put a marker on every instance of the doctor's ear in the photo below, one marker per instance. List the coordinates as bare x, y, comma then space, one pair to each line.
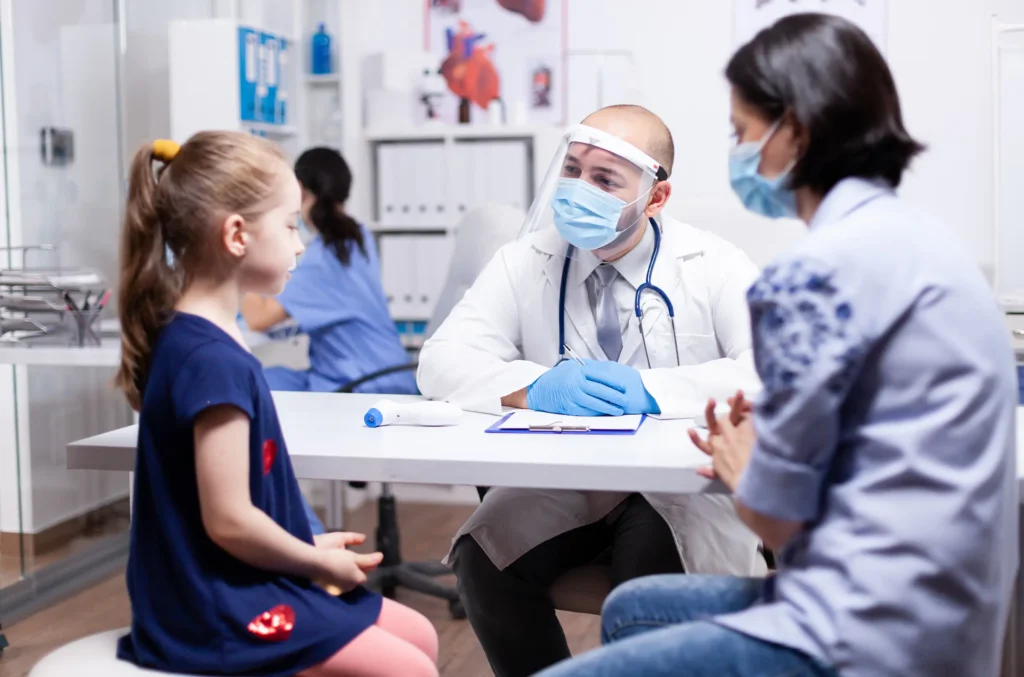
660, 194
233, 237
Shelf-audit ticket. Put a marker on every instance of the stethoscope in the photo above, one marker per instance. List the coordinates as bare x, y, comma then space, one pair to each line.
647, 285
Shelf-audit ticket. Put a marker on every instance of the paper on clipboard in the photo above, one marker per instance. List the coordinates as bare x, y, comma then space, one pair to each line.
527, 420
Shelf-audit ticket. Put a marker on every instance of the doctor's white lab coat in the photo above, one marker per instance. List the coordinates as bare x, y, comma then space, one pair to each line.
503, 335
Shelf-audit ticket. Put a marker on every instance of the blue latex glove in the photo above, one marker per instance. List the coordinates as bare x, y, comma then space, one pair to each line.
565, 390
634, 398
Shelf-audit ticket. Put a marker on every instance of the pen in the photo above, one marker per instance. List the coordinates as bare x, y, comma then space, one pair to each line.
72, 306
572, 354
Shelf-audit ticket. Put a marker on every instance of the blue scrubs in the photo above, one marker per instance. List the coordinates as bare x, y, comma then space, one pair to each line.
195, 608
351, 334
345, 314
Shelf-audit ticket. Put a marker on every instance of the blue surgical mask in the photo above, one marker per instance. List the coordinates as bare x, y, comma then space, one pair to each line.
586, 216
767, 197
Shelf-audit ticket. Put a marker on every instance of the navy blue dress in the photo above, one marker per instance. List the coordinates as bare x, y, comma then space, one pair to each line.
195, 608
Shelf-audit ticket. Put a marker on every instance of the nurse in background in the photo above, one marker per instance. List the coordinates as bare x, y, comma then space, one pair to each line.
334, 294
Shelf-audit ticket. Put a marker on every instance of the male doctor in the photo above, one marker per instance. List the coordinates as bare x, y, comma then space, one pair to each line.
594, 236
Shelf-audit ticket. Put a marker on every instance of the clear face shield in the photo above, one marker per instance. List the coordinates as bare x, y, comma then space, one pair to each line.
594, 195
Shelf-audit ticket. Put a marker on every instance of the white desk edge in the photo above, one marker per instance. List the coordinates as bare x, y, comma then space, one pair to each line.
115, 451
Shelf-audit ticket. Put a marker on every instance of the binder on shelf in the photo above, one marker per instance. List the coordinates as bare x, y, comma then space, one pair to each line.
433, 254
283, 83
388, 180
398, 275
269, 72
428, 185
459, 180
248, 73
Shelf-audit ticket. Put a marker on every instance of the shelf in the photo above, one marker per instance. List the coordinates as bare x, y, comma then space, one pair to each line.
443, 132
426, 230
271, 129
324, 80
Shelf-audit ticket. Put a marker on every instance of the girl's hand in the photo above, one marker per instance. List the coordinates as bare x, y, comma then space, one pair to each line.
346, 570
338, 539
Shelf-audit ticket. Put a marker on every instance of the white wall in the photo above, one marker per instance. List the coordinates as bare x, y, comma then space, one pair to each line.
941, 60
146, 90
1009, 10
940, 53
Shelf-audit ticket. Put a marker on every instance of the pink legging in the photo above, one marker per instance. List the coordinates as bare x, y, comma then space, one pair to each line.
402, 643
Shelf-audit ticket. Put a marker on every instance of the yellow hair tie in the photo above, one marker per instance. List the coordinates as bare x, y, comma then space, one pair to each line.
165, 150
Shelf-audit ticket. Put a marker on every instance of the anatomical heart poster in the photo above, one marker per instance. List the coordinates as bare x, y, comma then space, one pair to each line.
753, 15
507, 54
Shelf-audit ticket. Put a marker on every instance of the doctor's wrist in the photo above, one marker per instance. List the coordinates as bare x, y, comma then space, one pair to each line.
516, 400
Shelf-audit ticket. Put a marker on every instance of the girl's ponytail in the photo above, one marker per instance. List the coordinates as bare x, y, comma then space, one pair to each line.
149, 286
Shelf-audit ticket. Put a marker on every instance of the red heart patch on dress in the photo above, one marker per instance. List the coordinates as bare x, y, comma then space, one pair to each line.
274, 625
269, 454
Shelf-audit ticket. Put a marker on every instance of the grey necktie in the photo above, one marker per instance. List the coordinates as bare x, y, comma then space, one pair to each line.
609, 334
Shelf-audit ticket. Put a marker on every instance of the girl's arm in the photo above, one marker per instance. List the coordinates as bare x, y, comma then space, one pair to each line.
243, 530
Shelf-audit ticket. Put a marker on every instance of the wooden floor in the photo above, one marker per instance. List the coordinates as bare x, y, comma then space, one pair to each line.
426, 532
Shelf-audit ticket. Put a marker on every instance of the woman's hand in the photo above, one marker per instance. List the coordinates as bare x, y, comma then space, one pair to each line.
729, 443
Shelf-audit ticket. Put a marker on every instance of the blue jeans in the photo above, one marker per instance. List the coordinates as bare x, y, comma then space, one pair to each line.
657, 626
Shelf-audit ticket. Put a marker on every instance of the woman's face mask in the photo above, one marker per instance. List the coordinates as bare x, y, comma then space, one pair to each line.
767, 197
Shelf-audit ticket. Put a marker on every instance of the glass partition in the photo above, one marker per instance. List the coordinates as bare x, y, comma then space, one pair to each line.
62, 196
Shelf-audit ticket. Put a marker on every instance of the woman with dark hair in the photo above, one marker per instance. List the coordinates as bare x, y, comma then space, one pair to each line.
878, 462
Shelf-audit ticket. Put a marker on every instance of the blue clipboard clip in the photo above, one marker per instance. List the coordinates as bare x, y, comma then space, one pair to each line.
555, 429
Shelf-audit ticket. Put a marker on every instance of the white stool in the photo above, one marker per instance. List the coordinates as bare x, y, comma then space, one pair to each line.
92, 656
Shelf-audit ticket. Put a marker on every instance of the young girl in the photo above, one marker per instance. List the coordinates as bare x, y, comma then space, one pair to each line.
335, 294
223, 563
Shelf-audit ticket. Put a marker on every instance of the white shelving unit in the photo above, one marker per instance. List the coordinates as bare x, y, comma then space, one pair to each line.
206, 65
425, 180
443, 132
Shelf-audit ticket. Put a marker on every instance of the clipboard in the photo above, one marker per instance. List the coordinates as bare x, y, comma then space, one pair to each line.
559, 430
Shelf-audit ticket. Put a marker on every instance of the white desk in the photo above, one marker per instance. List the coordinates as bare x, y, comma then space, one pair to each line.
108, 354
327, 440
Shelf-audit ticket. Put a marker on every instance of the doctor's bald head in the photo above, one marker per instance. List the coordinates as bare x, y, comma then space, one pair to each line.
638, 126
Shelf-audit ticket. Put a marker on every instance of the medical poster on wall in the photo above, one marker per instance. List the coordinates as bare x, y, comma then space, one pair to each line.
509, 54
751, 16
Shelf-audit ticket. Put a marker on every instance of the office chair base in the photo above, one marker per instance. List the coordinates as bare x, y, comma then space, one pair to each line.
418, 576
393, 572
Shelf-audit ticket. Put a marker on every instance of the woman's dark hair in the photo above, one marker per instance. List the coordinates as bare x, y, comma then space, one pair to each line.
325, 174
825, 72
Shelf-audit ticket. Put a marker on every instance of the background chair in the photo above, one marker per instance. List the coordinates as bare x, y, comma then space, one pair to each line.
478, 236
393, 572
